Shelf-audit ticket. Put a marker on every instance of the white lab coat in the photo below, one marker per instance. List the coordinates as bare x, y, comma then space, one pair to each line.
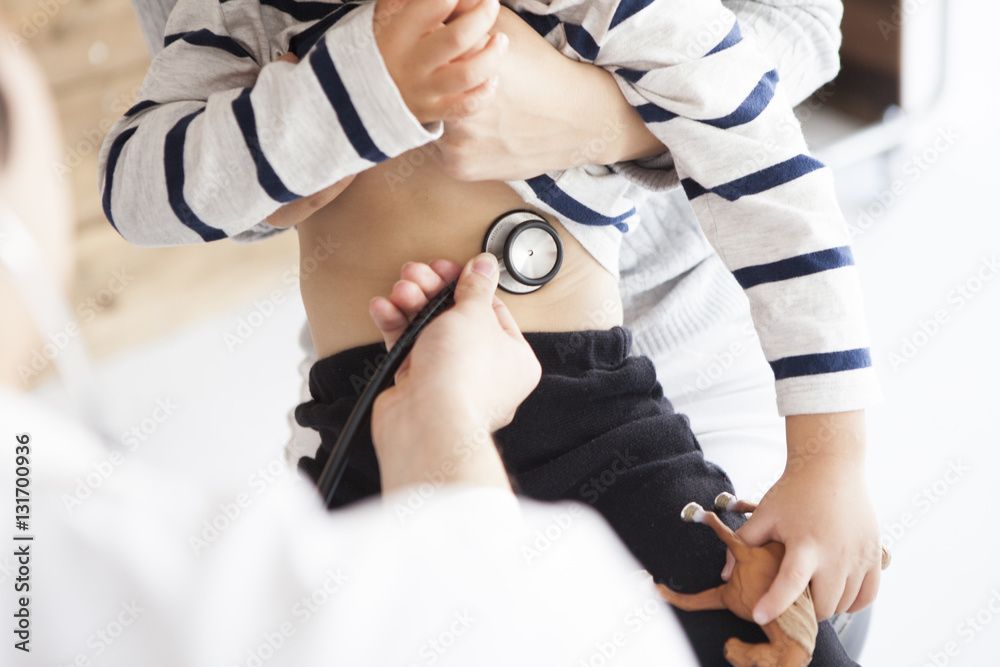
148, 569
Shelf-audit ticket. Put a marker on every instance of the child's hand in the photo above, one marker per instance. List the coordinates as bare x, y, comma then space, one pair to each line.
435, 52
820, 509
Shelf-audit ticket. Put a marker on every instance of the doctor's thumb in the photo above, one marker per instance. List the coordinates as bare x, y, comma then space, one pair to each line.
478, 281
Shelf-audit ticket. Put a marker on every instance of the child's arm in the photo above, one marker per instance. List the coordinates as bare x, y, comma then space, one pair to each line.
221, 135
768, 208
801, 37
770, 211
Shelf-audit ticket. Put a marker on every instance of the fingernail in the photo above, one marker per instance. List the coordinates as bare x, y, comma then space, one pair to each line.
503, 41
485, 264
759, 617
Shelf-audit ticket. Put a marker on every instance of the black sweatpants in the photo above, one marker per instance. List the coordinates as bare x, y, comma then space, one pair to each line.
598, 430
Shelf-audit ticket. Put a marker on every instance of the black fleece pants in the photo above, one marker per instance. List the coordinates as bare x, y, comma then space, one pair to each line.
597, 430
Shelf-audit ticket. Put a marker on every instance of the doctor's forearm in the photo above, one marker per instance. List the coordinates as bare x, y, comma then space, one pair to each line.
420, 438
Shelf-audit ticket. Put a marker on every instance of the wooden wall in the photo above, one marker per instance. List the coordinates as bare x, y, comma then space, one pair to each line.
94, 56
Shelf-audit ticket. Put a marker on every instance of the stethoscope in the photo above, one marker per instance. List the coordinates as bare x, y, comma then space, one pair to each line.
530, 254
528, 249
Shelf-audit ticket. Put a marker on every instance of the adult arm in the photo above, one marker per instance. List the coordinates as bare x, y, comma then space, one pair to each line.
527, 131
549, 113
285, 577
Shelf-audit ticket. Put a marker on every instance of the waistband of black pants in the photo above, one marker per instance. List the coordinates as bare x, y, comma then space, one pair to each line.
567, 353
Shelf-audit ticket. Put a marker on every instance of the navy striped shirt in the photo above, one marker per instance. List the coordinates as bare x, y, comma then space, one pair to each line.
209, 150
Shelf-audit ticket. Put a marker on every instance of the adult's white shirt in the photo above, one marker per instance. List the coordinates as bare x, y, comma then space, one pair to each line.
150, 570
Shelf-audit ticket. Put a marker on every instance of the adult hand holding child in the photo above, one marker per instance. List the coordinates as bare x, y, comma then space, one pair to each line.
546, 113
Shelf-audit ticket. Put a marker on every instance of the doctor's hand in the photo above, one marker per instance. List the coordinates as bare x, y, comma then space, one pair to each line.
463, 379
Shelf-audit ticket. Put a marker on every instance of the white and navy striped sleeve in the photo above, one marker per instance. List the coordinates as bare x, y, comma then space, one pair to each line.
767, 207
221, 135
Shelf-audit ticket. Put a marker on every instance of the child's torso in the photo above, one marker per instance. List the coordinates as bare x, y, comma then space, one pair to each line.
407, 209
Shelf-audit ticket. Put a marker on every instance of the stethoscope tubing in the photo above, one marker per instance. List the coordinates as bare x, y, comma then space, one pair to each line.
360, 416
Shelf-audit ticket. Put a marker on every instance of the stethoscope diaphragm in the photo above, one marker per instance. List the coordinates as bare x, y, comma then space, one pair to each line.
528, 248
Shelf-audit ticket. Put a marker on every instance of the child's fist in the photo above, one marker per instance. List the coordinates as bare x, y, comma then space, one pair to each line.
440, 53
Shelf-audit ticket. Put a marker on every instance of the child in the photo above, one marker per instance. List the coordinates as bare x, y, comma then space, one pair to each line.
199, 158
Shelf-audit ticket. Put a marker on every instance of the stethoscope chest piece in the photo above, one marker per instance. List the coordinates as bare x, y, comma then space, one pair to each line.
529, 250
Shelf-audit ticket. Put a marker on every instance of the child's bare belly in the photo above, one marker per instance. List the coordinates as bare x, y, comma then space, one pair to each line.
352, 250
